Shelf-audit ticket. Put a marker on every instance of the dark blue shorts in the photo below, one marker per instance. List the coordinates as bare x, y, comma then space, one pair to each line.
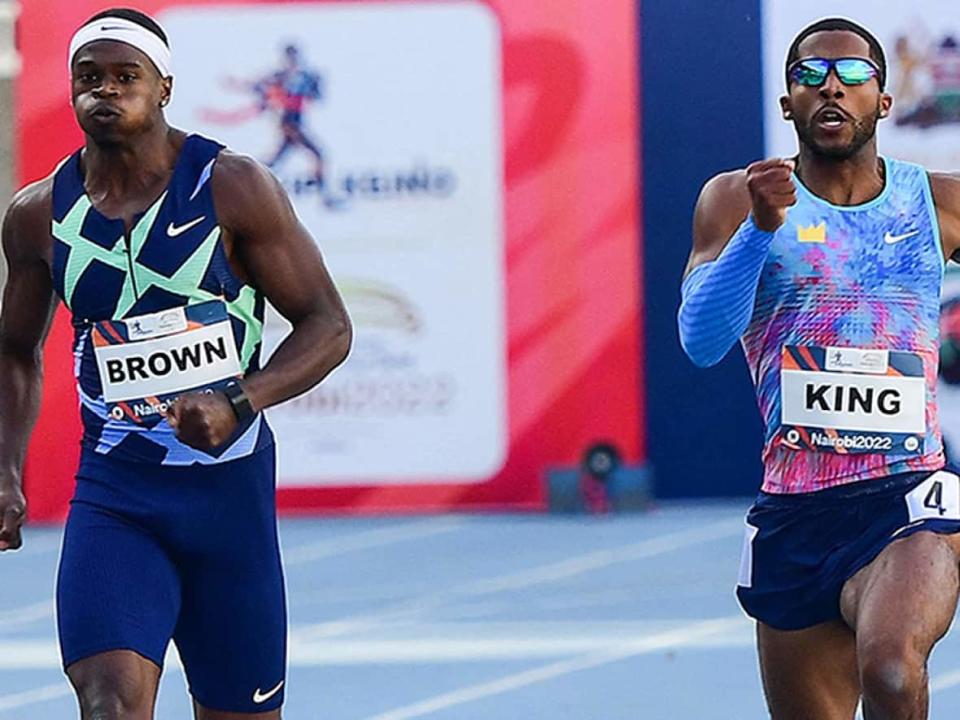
190, 554
799, 550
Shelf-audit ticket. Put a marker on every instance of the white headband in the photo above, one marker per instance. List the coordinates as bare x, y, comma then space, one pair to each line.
125, 31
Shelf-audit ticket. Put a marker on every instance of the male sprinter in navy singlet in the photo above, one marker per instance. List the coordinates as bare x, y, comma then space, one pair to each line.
827, 267
164, 246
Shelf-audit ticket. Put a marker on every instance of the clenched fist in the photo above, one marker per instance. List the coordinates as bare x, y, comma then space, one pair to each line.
202, 420
772, 191
13, 509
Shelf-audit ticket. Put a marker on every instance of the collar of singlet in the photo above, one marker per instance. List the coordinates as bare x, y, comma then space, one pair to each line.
125, 31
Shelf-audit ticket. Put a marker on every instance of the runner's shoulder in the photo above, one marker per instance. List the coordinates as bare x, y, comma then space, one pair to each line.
30, 212
946, 190
241, 183
946, 198
235, 168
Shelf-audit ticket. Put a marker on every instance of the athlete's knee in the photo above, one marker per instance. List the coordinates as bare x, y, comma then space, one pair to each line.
112, 698
893, 677
110, 691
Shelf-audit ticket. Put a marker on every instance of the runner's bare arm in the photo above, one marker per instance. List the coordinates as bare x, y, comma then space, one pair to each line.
735, 222
280, 258
27, 311
723, 204
946, 196
764, 189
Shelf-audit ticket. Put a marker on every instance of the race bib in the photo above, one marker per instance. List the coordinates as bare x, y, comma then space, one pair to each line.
849, 400
936, 498
146, 362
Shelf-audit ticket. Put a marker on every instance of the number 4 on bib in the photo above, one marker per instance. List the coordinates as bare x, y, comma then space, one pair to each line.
934, 498
937, 498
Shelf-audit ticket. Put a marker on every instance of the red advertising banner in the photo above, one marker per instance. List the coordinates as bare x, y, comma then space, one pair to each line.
470, 170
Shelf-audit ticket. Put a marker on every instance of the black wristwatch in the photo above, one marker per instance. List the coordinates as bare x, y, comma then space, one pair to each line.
238, 401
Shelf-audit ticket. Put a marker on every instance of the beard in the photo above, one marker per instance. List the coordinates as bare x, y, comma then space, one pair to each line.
864, 129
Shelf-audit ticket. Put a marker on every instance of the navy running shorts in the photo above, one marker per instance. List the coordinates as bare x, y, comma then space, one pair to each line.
799, 550
191, 554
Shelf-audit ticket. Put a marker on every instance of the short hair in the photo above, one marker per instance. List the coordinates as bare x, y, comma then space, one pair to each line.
843, 25
134, 16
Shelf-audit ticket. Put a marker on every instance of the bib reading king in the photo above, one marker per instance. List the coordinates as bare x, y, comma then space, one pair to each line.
851, 400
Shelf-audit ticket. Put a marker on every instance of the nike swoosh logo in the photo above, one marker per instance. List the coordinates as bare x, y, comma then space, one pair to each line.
262, 698
891, 239
173, 230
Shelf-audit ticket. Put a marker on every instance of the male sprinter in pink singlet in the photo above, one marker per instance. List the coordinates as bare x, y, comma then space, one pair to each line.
827, 267
165, 247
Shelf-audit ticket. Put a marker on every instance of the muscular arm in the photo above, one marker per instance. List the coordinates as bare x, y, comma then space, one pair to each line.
279, 257
946, 196
28, 305
723, 205
720, 282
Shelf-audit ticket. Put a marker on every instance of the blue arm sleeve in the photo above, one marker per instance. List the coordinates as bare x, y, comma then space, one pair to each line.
718, 296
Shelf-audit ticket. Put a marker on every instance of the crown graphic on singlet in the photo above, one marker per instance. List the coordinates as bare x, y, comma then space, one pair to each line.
812, 233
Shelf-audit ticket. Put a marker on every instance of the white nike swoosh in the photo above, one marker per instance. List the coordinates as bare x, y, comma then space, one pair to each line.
258, 698
891, 239
173, 230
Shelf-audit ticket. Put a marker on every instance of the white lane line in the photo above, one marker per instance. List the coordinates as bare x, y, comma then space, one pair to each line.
945, 681
471, 693
27, 614
442, 643
29, 655
547, 573
379, 537
366, 540
37, 695
486, 645
600, 643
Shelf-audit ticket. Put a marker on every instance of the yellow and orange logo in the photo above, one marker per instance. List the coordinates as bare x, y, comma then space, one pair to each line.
813, 233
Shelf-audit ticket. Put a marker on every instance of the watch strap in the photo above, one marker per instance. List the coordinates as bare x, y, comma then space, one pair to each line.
239, 401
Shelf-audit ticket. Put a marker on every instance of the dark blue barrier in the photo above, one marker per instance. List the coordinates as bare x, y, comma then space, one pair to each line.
702, 96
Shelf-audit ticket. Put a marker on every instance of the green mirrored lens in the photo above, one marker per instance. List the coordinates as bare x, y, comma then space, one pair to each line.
855, 72
810, 72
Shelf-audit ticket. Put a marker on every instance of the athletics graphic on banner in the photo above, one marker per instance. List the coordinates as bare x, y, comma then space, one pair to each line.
287, 93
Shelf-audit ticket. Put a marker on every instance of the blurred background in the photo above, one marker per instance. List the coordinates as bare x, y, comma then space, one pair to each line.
517, 498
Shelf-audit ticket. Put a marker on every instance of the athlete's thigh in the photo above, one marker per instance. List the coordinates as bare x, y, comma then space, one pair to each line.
232, 635
906, 598
232, 629
116, 588
810, 673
